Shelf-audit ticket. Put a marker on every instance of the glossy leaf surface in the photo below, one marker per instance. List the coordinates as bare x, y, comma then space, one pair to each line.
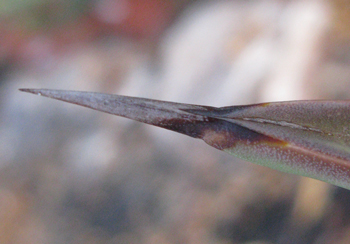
308, 138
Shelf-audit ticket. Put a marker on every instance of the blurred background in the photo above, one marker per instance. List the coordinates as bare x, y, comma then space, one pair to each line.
72, 175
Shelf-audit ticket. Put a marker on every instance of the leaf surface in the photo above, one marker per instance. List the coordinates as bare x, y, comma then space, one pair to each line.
308, 138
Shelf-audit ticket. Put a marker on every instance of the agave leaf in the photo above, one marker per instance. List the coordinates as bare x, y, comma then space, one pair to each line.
308, 138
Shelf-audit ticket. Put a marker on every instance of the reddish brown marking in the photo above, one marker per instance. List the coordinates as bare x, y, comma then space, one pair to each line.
218, 133
216, 139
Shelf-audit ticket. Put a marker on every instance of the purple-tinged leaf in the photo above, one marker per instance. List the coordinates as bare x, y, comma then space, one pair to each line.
309, 138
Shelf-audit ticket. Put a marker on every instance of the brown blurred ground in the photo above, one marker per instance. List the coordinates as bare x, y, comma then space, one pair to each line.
70, 175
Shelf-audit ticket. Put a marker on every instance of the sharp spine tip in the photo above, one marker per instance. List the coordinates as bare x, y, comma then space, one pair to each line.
34, 91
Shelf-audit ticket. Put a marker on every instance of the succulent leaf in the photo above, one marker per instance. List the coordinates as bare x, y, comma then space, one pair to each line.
308, 138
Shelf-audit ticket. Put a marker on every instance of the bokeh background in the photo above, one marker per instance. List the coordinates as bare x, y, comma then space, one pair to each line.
73, 175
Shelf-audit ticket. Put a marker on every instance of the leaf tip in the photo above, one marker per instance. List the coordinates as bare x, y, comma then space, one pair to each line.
34, 91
